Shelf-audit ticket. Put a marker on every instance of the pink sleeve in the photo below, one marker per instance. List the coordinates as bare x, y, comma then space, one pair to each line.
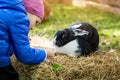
35, 7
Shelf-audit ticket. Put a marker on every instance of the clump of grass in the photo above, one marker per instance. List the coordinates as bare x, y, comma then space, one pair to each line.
99, 66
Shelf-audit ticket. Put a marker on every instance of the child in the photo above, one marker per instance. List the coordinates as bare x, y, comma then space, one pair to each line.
37, 11
14, 29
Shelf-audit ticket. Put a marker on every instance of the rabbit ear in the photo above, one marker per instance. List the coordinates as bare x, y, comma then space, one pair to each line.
76, 26
80, 32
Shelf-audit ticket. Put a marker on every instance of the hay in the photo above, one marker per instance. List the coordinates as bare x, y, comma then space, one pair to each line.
98, 66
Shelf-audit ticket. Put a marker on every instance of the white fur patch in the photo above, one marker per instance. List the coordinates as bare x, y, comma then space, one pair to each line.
69, 49
76, 26
80, 32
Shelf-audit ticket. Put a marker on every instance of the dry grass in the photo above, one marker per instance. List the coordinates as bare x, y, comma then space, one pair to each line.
98, 66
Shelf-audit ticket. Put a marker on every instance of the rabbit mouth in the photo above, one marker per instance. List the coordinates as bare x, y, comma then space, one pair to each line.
59, 43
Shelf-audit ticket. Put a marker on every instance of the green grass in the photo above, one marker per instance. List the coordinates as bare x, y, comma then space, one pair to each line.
107, 24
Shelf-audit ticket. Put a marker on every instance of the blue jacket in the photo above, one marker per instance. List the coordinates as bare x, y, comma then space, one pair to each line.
14, 29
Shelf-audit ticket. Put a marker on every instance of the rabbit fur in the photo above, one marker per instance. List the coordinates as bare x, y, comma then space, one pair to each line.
80, 39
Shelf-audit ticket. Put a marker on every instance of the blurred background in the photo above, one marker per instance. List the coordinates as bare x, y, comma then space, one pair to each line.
110, 5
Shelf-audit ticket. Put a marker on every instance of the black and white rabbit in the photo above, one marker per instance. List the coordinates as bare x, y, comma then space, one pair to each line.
79, 39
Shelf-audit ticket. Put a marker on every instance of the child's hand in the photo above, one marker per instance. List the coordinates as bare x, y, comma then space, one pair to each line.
29, 39
50, 53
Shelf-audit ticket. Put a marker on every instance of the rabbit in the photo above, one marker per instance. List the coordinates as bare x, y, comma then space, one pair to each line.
80, 39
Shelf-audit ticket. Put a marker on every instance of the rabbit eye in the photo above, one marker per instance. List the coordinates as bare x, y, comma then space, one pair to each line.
64, 36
